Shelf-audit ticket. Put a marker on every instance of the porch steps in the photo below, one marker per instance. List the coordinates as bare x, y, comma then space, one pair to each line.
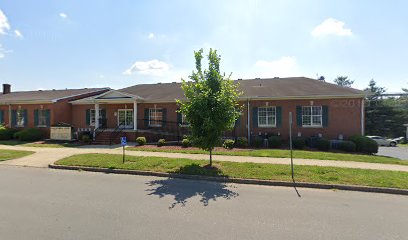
103, 138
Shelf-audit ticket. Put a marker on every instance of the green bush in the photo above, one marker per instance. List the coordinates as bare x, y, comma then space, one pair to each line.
323, 144
258, 142
228, 144
365, 144
141, 141
7, 133
186, 143
161, 142
275, 142
299, 143
347, 146
29, 134
242, 142
86, 138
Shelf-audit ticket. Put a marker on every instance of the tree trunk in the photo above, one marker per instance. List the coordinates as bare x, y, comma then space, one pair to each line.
210, 158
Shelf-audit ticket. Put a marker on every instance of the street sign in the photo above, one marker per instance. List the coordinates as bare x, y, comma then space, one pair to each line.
123, 141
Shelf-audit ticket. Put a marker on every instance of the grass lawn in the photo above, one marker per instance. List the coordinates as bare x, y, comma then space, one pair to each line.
403, 145
40, 144
12, 154
279, 153
329, 175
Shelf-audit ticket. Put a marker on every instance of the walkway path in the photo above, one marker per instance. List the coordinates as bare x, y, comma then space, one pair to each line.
45, 156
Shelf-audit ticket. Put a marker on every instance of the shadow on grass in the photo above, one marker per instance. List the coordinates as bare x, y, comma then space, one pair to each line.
12, 142
184, 190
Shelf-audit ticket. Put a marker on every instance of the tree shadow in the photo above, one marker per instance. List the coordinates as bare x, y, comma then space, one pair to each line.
183, 190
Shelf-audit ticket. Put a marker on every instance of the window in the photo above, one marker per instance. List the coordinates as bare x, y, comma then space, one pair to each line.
155, 117
184, 122
92, 116
42, 118
20, 119
267, 116
312, 116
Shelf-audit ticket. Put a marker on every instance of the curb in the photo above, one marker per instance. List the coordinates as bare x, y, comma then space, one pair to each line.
355, 188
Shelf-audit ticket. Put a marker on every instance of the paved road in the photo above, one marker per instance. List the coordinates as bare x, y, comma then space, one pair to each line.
397, 152
43, 204
45, 156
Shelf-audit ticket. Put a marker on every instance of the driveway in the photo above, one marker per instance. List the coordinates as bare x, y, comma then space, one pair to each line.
397, 152
39, 203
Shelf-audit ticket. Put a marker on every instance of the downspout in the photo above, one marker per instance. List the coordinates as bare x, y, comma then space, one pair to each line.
248, 123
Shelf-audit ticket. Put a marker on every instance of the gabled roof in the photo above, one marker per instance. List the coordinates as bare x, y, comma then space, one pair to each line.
46, 96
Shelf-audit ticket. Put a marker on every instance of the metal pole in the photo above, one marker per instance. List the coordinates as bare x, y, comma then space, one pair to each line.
290, 145
123, 155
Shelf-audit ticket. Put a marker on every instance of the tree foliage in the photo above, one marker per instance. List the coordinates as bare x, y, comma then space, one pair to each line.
211, 106
343, 81
375, 90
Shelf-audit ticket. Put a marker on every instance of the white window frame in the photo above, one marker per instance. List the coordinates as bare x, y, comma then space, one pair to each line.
311, 117
268, 124
92, 116
154, 112
42, 116
184, 123
20, 120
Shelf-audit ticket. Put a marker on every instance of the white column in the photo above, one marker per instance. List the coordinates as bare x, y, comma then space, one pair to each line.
135, 115
96, 115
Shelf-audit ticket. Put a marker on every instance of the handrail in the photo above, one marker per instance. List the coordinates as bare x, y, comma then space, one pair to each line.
99, 130
116, 131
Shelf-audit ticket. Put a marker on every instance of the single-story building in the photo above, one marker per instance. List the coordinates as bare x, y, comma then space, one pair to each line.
42, 108
319, 109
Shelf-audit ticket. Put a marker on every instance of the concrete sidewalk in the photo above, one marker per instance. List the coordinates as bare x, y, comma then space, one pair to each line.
45, 156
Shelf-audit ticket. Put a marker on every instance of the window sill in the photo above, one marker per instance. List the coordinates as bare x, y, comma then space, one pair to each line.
42, 126
271, 126
312, 126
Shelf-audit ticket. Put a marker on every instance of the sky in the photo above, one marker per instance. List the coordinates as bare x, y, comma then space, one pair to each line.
75, 44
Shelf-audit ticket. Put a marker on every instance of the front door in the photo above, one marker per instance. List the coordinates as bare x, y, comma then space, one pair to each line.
125, 118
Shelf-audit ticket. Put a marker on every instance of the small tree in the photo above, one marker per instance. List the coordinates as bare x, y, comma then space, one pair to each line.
343, 81
211, 106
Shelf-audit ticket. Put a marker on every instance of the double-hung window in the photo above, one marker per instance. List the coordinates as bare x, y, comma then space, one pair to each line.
92, 116
155, 117
42, 118
20, 118
267, 116
312, 116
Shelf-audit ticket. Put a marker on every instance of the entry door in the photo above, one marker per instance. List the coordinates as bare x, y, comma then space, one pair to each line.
125, 118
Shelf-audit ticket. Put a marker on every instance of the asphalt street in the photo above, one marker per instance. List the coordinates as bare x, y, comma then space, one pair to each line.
39, 203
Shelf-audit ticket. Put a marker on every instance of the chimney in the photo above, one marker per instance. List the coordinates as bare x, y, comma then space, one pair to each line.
6, 88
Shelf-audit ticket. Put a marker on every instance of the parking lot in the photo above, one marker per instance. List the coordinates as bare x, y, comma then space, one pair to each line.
397, 152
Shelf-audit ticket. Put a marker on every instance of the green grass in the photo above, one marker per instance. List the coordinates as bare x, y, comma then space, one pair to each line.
328, 175
279, 153
403, 145
31, 144
12, 154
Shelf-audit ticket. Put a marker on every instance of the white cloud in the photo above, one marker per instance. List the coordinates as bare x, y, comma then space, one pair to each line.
150, 36
2, 52
18, 34
63, 15
331, 26
283, 67
153, 67
4, 24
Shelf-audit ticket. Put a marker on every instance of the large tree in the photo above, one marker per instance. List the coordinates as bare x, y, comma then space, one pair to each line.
374, 90
211, 106
343, 81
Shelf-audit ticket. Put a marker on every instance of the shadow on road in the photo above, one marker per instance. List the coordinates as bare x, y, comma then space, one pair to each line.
184, 190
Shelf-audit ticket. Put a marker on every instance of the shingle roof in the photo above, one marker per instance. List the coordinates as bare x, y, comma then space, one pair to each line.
295, 87
45, 95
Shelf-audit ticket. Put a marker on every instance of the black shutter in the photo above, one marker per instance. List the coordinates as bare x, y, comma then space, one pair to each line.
255, 117
278, 116
36, 117
299, 116
13, 118
1, 116
179, 118
164, 118
146, 117
325, 116
88, 117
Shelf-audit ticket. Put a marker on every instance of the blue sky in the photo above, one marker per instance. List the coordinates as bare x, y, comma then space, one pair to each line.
75, 44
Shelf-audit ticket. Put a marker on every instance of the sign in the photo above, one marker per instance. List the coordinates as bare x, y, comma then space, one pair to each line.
123, 141
61, 133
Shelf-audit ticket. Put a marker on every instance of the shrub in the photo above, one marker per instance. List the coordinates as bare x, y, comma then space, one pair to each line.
258, 142
347, 146
323, 144
365, 144
29, 134
7, 133
141, 141
86, 138
228, 144
299, 143
275, 142
161, 142
186, 143
242, 142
